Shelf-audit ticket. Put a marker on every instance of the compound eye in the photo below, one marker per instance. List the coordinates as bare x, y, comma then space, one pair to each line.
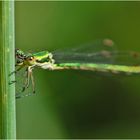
31, 58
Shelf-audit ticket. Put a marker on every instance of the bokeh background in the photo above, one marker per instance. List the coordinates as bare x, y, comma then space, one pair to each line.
73, 104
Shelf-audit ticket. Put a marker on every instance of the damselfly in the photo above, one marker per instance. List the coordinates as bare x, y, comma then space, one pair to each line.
100, 56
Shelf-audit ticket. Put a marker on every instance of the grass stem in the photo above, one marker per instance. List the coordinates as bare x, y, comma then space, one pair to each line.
7, 62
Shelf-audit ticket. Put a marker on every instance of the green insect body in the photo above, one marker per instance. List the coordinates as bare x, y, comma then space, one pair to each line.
115, 69
45, 60
49, 61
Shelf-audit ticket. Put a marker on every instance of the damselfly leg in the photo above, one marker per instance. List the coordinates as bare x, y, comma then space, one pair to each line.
29, 75
26, 90
14, 72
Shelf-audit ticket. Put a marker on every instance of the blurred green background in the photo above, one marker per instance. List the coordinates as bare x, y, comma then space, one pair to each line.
73, 104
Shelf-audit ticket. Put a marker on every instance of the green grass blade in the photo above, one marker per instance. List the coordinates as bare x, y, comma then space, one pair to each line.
7, 92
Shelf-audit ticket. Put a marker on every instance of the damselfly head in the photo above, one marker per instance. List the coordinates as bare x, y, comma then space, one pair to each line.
19, 57
20, 54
